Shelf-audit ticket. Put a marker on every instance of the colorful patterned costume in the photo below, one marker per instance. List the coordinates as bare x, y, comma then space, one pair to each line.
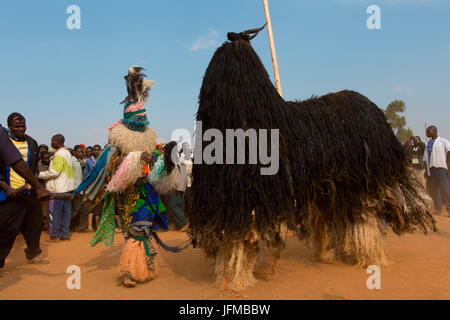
126, 180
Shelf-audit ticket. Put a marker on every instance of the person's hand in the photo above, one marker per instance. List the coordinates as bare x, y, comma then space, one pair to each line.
42, 194
425, 174
408, 142
12, 193
145, 156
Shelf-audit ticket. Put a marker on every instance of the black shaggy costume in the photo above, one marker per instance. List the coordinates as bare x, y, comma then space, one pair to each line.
342, 173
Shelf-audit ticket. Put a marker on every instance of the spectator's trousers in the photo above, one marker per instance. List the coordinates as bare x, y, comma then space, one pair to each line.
175, 208
440, 188
22, 215
62, 214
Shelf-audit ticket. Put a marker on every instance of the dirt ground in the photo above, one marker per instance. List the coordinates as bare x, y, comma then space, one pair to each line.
420, 269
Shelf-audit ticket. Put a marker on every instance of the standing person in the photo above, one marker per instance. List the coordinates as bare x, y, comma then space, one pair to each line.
43, 165
20, 210
60, 173
43, 148
415, 150
87, 153
9, 156
89, 163
79, 222
96, 151
175, 201
436, 160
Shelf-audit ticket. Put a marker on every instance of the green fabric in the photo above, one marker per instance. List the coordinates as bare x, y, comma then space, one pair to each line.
60, 165
129, 115
151, 208
133, 121
105, 231
147, 250
176, 204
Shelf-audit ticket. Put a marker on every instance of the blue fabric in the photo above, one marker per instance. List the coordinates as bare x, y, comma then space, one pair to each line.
148, 210
430, 150
62, 214
101, 163
440, 188
136, 123
88, 166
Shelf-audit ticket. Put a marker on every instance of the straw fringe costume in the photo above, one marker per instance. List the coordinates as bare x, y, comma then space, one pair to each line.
126, 181
342, 173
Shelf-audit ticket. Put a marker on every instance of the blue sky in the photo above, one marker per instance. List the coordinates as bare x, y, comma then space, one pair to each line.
71, 81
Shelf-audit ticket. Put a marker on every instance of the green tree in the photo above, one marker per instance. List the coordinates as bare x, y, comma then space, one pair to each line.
397, 122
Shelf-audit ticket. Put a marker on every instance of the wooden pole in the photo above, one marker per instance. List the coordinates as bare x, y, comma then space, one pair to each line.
272, 48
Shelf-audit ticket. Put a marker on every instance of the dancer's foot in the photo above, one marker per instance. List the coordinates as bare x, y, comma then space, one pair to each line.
128, 282
151, 275
38, 260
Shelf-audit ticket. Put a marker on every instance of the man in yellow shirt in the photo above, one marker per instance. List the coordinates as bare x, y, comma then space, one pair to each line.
20, 210
16, 181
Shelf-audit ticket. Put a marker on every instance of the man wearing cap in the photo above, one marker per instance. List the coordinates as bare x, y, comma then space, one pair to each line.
19, 205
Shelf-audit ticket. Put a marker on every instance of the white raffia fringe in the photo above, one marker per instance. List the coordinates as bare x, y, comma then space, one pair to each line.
359, 242
234, 266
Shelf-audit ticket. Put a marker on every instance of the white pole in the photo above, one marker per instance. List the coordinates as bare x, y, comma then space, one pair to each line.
272, 49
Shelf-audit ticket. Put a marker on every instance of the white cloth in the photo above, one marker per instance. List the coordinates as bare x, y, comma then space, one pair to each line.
439, 154
77, 172
184, 178
60, 172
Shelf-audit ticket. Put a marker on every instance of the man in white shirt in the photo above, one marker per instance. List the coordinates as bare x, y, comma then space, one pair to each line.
59, 179
175, 202
437, 171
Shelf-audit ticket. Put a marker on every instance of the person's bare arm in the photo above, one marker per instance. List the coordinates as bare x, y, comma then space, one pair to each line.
24, 171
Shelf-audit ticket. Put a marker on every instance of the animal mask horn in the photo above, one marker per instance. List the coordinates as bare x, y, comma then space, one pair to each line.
245, 35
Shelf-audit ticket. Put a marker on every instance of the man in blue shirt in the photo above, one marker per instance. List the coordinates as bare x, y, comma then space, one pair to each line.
89, 164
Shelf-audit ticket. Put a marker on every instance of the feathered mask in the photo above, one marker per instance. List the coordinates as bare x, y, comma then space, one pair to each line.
134, 114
